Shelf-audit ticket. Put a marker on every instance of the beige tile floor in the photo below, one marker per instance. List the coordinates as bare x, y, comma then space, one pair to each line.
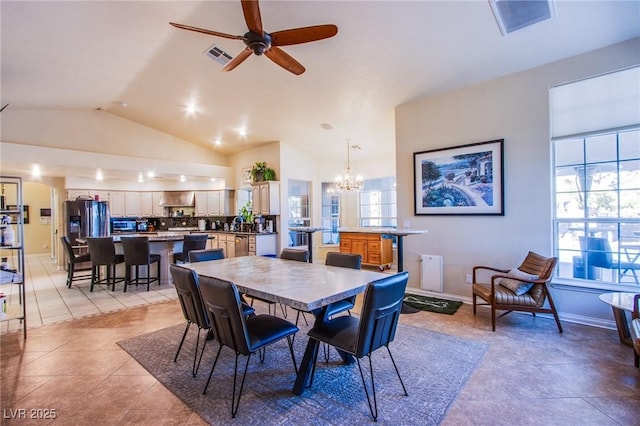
530, 374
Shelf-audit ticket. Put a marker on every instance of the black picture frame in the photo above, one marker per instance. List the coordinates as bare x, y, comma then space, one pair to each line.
460, 180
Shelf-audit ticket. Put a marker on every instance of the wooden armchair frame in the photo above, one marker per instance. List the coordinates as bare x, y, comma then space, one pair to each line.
499, 297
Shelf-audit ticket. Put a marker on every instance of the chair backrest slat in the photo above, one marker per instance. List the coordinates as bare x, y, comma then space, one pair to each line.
136, 250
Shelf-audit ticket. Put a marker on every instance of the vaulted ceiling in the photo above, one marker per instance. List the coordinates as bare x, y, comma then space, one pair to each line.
93, 54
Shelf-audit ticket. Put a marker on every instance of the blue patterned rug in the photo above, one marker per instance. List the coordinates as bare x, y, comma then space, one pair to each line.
434, 368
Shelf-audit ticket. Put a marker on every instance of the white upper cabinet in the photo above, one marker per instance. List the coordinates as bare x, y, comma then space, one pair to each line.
214, 203
265, 198
132, 204
116, 203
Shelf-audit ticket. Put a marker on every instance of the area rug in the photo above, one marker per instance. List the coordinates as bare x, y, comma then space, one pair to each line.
414, 303
434, 368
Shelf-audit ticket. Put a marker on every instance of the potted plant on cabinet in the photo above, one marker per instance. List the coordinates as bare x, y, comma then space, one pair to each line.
261, 172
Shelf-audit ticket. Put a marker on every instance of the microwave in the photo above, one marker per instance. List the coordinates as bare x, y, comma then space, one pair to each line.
119, 226
142, 225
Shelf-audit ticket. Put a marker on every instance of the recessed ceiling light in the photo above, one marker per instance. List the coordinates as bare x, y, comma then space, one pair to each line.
242, 132
182, 178
99, 175
35, 171
217, 142
191, 109
212, 179
151, 174
140, 178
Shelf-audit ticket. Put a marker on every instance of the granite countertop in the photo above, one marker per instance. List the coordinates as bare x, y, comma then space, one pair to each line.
387, 231
305, 228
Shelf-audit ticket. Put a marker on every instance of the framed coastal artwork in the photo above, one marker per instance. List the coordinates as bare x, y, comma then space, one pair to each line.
461, 180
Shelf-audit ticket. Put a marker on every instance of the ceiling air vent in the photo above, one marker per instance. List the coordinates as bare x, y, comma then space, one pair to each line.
218, 55
513, 15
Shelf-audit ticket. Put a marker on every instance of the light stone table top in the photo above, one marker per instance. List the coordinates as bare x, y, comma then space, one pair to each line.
305, 286
386, 231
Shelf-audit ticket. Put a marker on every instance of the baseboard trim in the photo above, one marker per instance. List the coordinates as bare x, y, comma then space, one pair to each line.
566, 317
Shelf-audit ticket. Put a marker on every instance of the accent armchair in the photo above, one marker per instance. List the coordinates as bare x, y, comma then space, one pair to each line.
523, 289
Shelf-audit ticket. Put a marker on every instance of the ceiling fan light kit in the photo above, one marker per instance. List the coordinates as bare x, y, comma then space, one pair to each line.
260, 42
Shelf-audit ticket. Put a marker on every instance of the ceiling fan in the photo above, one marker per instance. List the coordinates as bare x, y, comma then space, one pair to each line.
259, 41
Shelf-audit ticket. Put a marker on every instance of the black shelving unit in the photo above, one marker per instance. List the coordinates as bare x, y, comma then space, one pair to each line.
12, 266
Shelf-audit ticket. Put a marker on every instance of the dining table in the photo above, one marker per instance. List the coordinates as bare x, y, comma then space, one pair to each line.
308, 287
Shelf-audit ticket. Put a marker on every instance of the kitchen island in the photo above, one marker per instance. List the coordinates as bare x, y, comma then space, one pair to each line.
374, 244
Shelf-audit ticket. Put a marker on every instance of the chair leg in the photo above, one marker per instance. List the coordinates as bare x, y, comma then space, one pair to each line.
372, 408
397, 371
554, 311
181, 341
474, 304
70, 274
235, 402
204, 392
293, 355
127, 277
196, 367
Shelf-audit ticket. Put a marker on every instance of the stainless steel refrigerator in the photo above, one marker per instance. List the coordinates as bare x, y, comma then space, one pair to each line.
86, 219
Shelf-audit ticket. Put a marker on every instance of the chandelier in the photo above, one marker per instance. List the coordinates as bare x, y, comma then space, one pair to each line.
348, 182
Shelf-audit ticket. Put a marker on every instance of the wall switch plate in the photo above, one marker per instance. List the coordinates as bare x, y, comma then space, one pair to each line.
468, 278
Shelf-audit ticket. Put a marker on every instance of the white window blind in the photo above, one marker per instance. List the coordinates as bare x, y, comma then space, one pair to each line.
604, 102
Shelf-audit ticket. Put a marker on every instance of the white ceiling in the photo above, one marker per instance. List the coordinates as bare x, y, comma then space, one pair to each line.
92, 54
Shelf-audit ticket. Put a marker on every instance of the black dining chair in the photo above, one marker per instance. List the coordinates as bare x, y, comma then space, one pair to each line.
190, 242
244, 336
375, 328
217, 254
102, 251
137, 252
206, 254
186, 283
74, 259
287, 254
343, 260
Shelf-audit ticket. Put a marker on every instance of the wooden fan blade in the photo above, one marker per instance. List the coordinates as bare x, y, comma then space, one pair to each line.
283, 59
209, 32
242, 56
303, 35
252, 17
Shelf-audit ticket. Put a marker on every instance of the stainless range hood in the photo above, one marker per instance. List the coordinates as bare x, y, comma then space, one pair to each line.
178, 199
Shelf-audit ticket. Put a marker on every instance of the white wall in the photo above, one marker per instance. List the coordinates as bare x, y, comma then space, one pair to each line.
514, 108
99, 132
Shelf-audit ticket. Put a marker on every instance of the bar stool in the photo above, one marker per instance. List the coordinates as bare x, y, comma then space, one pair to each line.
190, 242
72, 260
102, 251
137, 252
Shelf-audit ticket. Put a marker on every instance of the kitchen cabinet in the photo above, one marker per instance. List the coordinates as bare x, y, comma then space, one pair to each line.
214, 203
262, 244
150, 204
116, 203
265, 198
212, 242
374, 249
132, 204
156, 209
227, 242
